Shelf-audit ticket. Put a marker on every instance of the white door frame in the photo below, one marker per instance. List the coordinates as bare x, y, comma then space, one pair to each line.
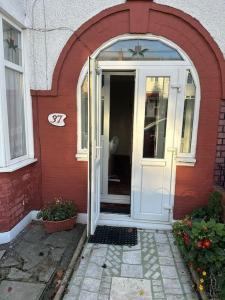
135, 66
181, 66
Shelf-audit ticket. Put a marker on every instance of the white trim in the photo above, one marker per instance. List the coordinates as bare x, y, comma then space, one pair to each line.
8, 236
110, 198
126, 221
18, 165
82, 218
6, 163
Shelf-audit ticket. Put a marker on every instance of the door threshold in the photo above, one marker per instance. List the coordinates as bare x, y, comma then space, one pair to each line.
127, 221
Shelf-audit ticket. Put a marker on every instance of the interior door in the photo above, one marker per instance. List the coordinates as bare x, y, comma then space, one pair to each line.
153, 144
94, 169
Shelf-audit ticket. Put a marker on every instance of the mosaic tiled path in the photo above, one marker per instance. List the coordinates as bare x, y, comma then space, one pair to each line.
154, 268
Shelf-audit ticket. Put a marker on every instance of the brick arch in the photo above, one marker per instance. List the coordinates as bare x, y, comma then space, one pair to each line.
193, 184
142, 17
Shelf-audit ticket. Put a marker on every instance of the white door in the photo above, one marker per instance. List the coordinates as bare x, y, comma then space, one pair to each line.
95, 79
153, 144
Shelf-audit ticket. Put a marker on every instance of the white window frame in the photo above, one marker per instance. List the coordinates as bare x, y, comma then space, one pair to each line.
187, 159
6, 163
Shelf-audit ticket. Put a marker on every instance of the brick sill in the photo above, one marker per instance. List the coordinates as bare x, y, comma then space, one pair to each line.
18, 165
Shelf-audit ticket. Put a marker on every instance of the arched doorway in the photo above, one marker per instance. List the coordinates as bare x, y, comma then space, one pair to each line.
193, 180
144, 98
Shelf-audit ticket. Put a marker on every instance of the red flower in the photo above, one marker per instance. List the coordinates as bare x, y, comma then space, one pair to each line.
204, 244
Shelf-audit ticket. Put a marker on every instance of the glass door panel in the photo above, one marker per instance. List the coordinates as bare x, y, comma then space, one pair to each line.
156, 103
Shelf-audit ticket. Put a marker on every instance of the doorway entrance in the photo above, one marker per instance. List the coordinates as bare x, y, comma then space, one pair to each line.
117, 140
138, 91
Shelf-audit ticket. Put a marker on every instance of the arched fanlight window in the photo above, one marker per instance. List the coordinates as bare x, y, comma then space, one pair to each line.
150, 51
139, 49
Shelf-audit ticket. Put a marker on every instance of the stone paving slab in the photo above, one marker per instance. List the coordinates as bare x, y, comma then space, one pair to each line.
155, 261
14, 290
32, 261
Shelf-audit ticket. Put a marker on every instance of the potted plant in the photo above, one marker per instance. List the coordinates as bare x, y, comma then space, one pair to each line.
58, 215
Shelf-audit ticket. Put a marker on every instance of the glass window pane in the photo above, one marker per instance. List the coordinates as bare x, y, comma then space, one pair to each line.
15, 110
12, 44
188, 117
157, 92
139, 49
84, 113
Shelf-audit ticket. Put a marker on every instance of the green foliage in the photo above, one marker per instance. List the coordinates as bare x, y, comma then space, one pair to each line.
215, 207
213, 210
58, 210
202, 244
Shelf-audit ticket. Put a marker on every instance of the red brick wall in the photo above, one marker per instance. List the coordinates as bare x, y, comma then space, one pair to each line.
220, 149
62, 174
20, 191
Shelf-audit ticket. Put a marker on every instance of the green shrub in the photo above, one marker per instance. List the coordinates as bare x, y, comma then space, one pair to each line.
202, 244
58, 210
213, 210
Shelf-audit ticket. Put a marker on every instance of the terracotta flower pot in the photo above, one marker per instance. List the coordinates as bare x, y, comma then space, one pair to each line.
54, 226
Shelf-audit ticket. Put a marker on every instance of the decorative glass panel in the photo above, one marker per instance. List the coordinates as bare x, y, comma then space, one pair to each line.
139, 49
15, 110
157, 92
12, 44
84, 113
188, 117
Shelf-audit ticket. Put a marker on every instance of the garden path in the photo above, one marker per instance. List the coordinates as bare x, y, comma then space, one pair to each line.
153, 270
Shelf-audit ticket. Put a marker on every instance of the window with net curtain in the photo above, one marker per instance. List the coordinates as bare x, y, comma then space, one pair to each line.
130, 49
14, 91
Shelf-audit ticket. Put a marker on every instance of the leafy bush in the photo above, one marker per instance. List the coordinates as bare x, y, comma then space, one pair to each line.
202, 244
58, 210
213, 210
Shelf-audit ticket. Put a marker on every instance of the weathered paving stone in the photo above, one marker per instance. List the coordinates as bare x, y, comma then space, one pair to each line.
16, 274
175, 297
57, 253
172, 286
166, 261
34, 234
100, 251
2, 252
84, 295
159, 295
76, 280
10, 262
14, 290
45, 273
73, 290
99, 260
91, 284
132, 257
59, 239
94, 271
169, 272
129, 288
103, 297
133, 271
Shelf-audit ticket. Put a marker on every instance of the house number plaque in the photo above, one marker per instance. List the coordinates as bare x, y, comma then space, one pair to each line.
57, 119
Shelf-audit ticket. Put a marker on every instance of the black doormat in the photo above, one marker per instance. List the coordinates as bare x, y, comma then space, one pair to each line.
123, 236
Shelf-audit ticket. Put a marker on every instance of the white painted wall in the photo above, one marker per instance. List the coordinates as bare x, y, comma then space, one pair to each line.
14, 8
52, 22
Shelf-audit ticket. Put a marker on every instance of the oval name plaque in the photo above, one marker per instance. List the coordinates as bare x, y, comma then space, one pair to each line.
57, 119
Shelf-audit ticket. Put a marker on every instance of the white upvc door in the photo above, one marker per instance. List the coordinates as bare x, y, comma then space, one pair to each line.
153, 145
95, 79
